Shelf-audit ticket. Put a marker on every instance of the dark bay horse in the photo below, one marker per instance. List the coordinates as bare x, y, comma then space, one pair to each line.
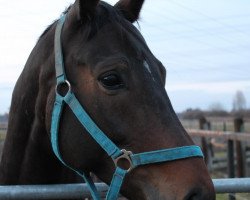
118, 80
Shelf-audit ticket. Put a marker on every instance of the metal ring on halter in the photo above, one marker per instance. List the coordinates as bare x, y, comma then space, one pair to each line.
60, 84
124, 156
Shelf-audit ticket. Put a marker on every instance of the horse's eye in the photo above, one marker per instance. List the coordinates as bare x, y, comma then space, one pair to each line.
111, 81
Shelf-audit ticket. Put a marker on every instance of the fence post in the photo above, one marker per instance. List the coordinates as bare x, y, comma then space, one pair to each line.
230, 160
206, 148
202, 123
224, 126
238, 127
238, 122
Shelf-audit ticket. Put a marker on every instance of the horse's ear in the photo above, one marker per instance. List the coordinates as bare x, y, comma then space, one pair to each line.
130, 8
86, 9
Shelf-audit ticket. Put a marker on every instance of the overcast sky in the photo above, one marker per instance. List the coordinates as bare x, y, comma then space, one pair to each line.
204, 45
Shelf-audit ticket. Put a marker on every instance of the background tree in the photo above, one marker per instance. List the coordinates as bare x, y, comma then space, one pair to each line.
239, 101
216, 109
216, 106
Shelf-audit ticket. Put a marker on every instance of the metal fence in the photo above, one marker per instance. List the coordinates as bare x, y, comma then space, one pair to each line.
78, 191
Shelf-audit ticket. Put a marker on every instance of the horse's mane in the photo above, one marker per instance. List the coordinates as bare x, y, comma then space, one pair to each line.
105, 14
55, 21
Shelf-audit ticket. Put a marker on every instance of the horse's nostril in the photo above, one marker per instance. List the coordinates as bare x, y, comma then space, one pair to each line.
199, 194
195, 194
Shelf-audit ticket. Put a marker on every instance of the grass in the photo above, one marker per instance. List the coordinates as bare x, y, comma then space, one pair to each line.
221, 197
2, 135
242, 196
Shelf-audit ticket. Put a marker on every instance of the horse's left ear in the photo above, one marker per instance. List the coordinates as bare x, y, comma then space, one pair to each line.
130, 8
86, 9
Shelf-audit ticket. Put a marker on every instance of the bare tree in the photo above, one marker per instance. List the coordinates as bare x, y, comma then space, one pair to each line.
216, 106
239, 101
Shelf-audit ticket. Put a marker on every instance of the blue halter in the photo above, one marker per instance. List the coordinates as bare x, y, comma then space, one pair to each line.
111, 149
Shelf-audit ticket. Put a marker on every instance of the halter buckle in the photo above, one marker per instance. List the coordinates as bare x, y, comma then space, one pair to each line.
125, 160
62, 88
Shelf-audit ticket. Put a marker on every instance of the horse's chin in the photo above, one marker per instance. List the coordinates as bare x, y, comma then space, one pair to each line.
163, 182
151, 192
146, 192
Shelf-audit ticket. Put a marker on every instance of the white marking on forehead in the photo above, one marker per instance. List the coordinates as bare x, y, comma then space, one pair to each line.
146, 65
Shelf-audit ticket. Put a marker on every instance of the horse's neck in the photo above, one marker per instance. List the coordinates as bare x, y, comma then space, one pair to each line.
27, 156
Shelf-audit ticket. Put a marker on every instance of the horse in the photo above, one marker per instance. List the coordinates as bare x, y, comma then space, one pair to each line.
114, 76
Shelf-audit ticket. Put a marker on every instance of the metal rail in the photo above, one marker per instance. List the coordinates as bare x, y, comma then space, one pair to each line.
60, 191
78, 191
220, 134
232, 185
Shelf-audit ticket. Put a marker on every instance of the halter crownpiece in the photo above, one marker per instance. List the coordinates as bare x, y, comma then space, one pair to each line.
99, 136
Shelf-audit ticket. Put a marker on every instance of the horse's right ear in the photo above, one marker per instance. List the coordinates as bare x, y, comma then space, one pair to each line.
130, 8
86, 9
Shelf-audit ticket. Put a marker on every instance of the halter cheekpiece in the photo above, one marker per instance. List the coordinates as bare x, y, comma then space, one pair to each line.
99, 136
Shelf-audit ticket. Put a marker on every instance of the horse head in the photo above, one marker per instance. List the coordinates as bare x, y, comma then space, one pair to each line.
121, 85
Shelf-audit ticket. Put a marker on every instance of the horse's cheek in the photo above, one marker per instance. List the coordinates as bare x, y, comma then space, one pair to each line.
49, 108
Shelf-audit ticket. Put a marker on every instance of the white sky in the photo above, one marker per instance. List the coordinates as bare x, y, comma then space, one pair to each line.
204, 44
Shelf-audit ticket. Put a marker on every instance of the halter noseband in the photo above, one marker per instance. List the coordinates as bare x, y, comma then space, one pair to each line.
99, 136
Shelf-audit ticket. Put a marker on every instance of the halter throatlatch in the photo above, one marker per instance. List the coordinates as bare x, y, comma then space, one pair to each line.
133, 160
